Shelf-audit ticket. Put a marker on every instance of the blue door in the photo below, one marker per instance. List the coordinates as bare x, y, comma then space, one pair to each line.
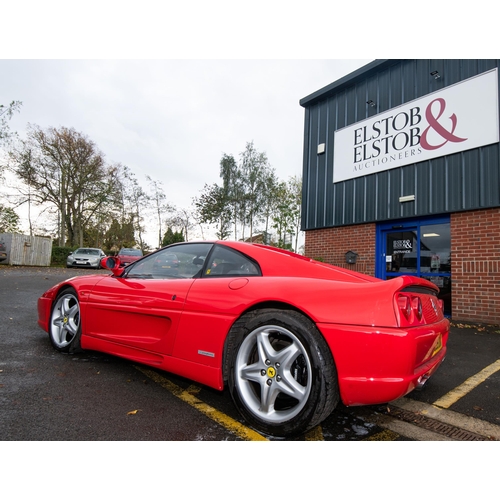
419, 247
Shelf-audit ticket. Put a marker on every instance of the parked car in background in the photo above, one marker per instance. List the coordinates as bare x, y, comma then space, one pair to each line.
167, 264
85, 257
289, 336
3, 252
129, 255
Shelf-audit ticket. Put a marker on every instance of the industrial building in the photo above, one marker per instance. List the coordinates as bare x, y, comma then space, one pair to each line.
401, 175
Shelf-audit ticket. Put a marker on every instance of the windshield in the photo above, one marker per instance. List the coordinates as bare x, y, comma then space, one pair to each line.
174, 262
87, 251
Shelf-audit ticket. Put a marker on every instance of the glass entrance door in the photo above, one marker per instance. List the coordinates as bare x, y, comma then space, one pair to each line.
401, 249
420, 248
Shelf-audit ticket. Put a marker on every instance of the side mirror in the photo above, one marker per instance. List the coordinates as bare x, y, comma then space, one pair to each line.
113, 264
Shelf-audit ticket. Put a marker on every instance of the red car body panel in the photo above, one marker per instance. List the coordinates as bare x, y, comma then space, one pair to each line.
386, 363
181, 325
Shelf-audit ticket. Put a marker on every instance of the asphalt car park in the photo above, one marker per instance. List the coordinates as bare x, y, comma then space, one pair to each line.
50, 396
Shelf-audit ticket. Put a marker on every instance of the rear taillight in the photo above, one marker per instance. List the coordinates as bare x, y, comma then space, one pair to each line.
404, 305
410, 308
416, 305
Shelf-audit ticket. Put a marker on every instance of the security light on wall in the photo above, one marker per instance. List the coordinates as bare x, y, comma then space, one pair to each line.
321, 148
436, 75
371, 103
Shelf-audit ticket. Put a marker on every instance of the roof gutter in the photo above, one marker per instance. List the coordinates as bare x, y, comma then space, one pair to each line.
347, 81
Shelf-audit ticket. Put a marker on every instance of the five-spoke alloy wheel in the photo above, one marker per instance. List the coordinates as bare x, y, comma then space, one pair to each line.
65, 328
280, 371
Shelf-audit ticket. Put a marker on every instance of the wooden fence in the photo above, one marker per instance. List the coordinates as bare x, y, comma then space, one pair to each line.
25, 250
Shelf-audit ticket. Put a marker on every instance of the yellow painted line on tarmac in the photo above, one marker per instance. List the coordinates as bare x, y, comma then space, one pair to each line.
315, 434
471, 383
385, 435
188, 396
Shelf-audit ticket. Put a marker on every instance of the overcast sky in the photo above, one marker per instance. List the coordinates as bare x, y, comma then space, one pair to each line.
173, 119
167, 87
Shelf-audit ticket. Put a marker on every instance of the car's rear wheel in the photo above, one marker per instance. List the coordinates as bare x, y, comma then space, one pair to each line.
281, 374
65, 322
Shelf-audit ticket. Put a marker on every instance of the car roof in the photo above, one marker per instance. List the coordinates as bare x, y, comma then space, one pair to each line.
279, 262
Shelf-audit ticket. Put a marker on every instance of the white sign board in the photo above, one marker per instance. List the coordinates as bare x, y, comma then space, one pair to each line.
460, 117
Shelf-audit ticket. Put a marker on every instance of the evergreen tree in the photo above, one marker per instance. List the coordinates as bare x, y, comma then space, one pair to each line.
171, 237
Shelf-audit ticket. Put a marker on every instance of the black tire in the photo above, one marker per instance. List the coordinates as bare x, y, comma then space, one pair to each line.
280, 372
65, 327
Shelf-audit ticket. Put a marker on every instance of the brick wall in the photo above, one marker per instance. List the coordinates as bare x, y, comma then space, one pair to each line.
475, 266
331, 244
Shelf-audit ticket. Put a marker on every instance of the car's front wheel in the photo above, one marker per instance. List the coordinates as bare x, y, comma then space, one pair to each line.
65, 322
281, 374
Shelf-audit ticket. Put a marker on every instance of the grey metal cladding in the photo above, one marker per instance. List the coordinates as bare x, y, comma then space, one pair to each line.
464, 181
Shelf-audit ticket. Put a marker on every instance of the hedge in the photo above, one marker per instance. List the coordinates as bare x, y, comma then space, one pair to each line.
60, 254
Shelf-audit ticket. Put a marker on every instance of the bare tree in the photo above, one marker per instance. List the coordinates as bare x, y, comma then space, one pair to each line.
135, 205
183, 220
160, 204
6, 113
212, 208
65, 168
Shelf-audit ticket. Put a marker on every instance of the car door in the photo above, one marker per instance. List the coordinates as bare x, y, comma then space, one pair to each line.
142, 308
225, 288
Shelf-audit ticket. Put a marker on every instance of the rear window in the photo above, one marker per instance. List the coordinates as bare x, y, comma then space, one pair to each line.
226, 262
130, 251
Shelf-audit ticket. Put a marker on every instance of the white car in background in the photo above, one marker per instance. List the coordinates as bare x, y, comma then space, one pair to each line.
85, 257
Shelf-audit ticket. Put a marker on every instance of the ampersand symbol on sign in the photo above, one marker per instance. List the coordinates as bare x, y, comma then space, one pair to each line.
434, 124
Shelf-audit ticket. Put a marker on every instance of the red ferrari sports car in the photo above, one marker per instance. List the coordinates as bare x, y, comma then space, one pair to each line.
289, 336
